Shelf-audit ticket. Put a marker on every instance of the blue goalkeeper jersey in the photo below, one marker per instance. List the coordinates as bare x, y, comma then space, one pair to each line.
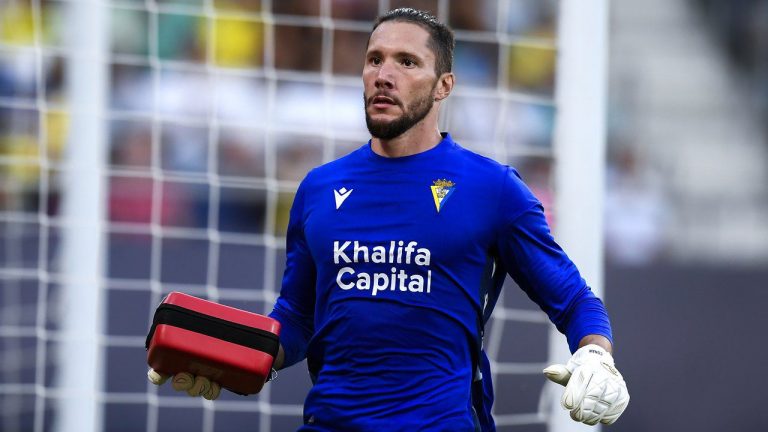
393, 267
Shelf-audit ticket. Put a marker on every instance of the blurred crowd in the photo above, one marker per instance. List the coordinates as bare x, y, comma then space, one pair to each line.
214, 109
689, 94
248, 95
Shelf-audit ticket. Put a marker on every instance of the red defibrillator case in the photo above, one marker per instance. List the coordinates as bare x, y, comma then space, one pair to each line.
230, 346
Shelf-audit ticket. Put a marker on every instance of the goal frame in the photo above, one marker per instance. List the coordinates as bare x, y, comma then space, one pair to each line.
579, 149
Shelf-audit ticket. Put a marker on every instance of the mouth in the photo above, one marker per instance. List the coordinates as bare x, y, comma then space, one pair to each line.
382, 102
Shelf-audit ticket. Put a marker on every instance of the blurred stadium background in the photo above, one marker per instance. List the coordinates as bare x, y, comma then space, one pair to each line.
215, 109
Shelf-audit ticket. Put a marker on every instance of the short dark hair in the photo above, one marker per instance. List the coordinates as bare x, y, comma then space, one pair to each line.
441, 40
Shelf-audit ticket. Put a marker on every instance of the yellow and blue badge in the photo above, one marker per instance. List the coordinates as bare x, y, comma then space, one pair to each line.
441, 190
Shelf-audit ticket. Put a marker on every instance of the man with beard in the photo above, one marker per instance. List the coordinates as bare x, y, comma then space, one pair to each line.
396, 255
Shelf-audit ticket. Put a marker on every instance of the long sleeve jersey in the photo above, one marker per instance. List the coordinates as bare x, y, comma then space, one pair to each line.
394, 265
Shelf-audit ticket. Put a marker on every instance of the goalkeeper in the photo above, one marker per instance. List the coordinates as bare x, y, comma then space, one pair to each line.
396, 255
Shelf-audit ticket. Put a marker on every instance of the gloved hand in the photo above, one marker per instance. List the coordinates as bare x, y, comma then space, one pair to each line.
594, 390
185, 381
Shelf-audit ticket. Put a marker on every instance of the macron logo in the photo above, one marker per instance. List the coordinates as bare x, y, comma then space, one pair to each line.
341, 195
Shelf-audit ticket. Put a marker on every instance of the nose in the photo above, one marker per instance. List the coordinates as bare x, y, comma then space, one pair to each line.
384, 77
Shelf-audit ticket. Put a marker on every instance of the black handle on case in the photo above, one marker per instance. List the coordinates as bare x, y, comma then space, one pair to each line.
218, 328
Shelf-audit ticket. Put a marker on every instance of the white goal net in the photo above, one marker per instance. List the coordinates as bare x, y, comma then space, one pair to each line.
213, 112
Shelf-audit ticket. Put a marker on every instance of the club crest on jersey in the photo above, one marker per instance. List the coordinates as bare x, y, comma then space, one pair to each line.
441, 191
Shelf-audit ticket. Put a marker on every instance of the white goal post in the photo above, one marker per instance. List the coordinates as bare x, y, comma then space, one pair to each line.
80, 353
579, 147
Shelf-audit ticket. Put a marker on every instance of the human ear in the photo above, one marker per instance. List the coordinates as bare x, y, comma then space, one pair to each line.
444, 86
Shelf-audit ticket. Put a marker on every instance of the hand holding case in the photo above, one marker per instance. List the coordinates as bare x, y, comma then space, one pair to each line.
230, 346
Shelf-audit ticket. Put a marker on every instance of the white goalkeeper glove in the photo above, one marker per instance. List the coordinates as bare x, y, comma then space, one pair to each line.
594, 390
185, 381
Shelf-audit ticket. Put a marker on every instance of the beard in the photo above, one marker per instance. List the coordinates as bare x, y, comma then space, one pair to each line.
415, 112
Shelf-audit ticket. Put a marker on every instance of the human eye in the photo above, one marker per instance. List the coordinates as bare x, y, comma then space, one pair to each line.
374, 60
408, 62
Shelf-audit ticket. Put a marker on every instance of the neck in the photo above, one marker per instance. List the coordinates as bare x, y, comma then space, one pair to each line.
423, 136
